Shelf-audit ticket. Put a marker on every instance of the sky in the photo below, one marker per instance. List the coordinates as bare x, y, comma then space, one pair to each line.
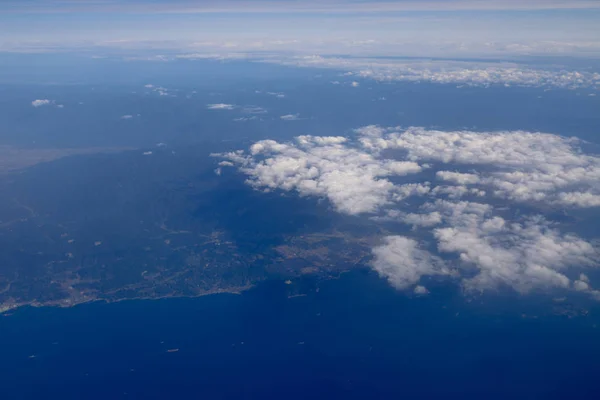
426, 27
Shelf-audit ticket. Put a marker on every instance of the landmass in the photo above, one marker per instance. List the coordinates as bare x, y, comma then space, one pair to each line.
15, 158
118, 226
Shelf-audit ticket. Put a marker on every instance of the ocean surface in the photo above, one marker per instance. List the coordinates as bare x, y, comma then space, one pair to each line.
353, 338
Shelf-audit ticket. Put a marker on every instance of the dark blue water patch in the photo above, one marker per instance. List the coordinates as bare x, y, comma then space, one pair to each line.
353, 338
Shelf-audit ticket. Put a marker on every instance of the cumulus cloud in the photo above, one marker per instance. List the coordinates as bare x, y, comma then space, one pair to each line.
403, 262
524, 255
220, 106
458, 178
484, 245
353, 180
42, 102
521, 166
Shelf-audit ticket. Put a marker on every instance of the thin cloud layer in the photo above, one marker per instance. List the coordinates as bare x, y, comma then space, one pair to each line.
252, 6
220, 106
477, 240
452, 71
254, 110
290, 117
455, 71
460, 73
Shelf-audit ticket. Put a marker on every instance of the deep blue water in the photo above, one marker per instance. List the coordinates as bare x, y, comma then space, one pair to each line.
355, 338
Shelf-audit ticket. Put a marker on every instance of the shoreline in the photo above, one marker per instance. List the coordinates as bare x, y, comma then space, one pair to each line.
4, 309
234, 290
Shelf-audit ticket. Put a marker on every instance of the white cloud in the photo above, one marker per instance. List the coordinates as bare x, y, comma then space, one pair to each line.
43, 102
162, 91
253, 110
426, 220
420, 290
353, 180
494, 248
521, 166
457, 177
524, 255
290, 117
127, 116
213, 56
220, 106
449, 72
279, 95
403, 262
455, 70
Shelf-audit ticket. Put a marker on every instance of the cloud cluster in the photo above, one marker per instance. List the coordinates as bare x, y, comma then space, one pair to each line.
458, 230
354, 181
523, 254
450, 72
520, 166
454, 70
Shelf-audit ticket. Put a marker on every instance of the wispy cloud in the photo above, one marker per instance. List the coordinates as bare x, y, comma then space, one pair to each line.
254, 110
290, 117
220, 106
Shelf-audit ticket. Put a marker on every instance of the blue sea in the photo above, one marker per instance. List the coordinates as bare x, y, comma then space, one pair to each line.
353, 338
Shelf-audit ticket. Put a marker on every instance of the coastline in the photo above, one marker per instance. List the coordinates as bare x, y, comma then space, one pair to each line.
13, 307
